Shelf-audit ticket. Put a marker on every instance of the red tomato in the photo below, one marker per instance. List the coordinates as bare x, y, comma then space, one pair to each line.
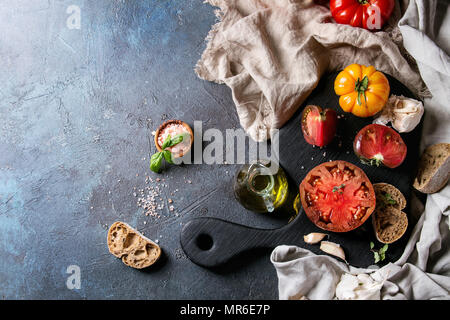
367, 14
376, 144
337, 196
318, 127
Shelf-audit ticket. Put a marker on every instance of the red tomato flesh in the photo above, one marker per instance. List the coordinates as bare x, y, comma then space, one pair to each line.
319, 127
377, 144
337, 196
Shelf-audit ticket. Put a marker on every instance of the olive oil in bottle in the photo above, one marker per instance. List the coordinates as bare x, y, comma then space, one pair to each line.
259, 189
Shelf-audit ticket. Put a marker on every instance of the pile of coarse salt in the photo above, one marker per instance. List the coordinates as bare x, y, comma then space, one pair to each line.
174, 129
150, 199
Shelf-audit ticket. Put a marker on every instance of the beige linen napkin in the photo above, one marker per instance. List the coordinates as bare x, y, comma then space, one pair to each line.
272, 53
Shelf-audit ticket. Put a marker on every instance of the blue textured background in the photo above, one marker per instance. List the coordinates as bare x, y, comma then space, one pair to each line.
77, 108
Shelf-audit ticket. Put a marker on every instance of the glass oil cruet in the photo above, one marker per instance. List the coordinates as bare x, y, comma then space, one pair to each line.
258, 188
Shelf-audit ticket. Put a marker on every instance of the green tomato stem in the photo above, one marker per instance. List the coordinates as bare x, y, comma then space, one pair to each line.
361, 87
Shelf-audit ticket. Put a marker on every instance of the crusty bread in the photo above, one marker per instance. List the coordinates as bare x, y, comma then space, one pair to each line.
434, 168
132, 247
389, 224
384, 192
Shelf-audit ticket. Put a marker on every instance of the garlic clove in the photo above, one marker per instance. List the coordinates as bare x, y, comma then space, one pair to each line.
314, 237
333, 249
403, 113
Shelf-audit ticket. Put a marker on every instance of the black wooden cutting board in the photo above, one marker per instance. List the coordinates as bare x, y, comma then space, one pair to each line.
211, 242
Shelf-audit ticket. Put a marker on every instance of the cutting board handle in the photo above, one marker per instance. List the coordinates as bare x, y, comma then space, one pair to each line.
211, 242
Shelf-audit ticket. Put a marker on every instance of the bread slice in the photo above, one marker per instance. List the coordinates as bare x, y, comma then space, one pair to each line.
389, 224
132, 247
434, 168
389, 196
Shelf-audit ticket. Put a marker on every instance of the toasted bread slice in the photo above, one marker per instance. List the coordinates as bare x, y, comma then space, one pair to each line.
434, 168
389, 196
389, 224
132, 247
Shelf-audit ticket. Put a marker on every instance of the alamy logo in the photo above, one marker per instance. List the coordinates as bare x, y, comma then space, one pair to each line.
374, 18
232, 147
74, 280
74, 19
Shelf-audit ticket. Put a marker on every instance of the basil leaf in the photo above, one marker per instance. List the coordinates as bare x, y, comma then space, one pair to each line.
372, 245
168, 156
388, 198
176, 140
336, 188
155, 162
167, 142
384, 249
377, 257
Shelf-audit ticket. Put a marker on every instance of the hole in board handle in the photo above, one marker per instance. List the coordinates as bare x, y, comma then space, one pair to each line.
204, 242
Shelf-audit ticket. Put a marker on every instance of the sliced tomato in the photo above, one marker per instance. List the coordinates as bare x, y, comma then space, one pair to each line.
377, 144
319, 127
337, 196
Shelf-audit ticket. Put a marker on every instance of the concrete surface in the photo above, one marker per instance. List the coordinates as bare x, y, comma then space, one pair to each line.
77, 108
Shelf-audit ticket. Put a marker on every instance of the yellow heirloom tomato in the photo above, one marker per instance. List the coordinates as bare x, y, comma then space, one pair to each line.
363, 90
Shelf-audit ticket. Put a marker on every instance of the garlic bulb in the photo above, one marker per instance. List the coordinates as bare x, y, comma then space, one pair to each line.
403, 113
314, 237
333, 249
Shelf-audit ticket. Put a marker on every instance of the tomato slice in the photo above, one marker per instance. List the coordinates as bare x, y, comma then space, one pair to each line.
318, 126
378, 144
337, 196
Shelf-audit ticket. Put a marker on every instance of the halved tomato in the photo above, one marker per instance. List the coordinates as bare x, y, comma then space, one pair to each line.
377, 144
319, 127
337, 196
